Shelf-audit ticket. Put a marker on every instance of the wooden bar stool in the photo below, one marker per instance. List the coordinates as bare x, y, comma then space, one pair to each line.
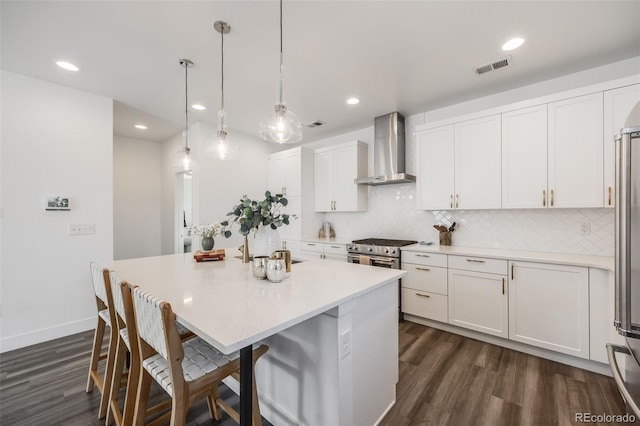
188, 371
104, 303
127, 342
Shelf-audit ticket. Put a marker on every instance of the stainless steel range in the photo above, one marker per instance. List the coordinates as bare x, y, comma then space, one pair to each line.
376, 252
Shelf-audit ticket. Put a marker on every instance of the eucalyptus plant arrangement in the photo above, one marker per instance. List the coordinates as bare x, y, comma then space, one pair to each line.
251, 214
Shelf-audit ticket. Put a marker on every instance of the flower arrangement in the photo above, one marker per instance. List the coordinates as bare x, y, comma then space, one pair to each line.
207, 230
251, 214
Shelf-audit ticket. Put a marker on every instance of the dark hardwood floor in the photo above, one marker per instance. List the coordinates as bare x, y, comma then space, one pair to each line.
445, 379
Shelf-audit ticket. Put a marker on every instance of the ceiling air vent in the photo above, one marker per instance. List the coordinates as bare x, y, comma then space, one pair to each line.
494, 66
315, 124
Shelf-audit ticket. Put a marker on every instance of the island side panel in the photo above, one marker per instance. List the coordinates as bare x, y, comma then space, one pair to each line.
308, 378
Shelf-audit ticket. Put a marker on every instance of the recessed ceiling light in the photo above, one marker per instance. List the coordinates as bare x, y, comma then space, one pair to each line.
353, 101
198, 107
67, 66
140, 126
514, 43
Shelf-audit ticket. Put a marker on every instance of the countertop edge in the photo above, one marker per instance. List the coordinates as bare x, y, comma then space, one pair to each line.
585, 260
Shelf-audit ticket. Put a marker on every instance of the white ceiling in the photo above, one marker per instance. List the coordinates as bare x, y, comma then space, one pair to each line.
409, 56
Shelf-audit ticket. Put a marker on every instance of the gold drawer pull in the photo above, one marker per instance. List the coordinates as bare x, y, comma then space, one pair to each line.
309, 244
475, 261
609, 195
544, 198
422, 255
423, 269
552, 198
503, 286
423, 295
335, 246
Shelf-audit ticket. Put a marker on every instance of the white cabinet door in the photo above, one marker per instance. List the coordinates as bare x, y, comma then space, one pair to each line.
293, 231
524, 158
618, 103
549, 307
293, 174
323, 178
435, 168
478, 171
479, 301
575, 144
345, 169
275, 176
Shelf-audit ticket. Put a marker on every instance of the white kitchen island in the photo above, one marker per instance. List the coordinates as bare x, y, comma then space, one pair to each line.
332, 330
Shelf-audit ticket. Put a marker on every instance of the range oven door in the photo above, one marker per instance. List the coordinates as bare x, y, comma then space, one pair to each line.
380, 261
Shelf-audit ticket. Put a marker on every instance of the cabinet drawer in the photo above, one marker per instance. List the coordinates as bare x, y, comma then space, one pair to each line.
479, 264
420, 258
426, 278
424, 304
315, 247
330, 248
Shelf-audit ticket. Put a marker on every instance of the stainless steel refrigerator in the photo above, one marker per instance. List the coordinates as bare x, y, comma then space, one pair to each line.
627, 268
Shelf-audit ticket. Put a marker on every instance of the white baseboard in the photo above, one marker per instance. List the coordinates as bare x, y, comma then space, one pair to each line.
45, 334
387, 410
585, 364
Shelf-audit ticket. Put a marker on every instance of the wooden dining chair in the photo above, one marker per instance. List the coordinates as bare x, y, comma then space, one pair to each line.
127, 343
104, 303
188, 371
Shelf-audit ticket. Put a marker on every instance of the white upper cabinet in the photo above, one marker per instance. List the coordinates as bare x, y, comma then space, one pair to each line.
575, 152
435, 173
335, 169
618, 103
459, 166
285, 173
524, 158
477, 166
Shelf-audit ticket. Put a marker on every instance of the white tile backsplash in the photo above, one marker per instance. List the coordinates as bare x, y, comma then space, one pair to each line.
392, 214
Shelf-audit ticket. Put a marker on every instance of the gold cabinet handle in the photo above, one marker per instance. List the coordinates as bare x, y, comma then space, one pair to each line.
309, 244
335, 246
422, 255
451, 201
457, 195
609, 195
475, 261
502, 285
552, 198
512, 270
423, 295
423, 269
544, 198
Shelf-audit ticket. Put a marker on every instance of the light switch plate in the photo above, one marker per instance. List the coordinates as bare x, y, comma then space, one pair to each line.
82, 229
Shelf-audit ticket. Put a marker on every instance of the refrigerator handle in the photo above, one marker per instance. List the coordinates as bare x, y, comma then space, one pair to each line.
611, 353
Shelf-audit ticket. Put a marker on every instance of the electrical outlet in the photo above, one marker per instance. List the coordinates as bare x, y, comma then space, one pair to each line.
585, 228
82, 229
345, 343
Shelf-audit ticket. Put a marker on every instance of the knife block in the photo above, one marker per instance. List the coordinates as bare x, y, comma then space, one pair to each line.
445, 238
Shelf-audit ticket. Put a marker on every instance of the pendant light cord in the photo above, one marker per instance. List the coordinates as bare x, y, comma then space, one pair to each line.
280, 100
222, 69
186, 104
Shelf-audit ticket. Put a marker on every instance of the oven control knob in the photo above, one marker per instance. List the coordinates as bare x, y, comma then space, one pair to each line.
393, 251
386, 251
370, 249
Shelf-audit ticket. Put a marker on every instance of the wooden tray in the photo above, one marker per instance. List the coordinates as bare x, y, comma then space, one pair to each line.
202, 256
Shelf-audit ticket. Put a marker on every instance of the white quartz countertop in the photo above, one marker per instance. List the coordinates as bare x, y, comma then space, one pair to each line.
326, 240
601, 262
222, 302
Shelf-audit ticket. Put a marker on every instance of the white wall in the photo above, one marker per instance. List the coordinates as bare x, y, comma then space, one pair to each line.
217, 185
392, 212
55, 141
137, 195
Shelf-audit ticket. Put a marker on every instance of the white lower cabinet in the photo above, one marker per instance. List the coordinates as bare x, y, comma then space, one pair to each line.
479, 301
549, 307
424, 290
328, 251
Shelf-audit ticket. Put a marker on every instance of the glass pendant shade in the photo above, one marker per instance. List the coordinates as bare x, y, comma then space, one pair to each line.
220, 146
184, 160
281, 127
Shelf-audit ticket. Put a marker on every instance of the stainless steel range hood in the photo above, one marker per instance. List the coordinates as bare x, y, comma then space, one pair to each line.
388, 152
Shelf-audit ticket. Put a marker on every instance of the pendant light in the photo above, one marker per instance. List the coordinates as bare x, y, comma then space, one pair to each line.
220, 146
283, 126
184, 160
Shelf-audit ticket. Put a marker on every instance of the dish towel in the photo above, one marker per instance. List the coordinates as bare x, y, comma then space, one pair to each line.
365, 260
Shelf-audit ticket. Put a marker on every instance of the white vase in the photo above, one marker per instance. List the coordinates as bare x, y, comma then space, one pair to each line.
266, 241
